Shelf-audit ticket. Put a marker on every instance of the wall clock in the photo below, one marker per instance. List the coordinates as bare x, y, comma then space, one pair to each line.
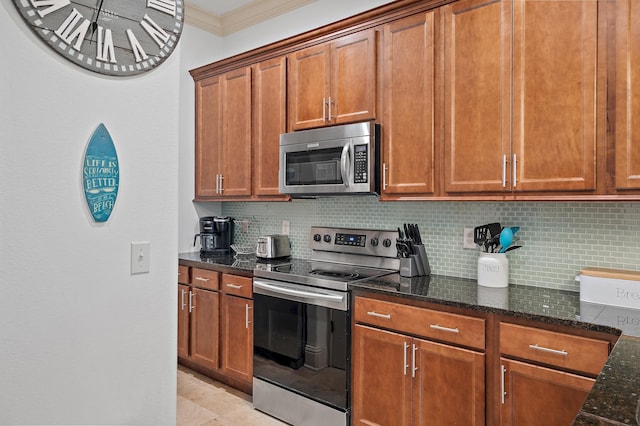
112, 37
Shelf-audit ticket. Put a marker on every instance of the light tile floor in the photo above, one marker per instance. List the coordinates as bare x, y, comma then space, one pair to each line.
202, 401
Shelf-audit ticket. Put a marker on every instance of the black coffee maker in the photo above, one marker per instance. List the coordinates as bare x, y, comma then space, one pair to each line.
216, 235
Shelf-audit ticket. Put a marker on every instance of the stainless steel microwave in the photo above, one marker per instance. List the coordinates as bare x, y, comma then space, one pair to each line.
338, 160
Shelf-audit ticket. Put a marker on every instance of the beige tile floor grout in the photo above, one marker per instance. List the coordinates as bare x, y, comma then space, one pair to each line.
202, 401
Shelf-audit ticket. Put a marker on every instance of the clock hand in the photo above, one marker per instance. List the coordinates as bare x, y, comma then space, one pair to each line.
94, 24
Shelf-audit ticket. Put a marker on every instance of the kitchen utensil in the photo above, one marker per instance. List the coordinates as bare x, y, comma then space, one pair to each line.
480, 235
513, 247
506, 238
494, 229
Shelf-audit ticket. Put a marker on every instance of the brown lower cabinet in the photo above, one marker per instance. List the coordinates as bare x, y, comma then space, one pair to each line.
425, 365
237, 329
215, 326
535, 395
400, 379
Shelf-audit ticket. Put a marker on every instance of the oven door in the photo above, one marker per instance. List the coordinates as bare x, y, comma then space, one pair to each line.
301, 343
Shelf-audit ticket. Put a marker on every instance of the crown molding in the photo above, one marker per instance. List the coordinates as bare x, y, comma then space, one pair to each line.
243, 17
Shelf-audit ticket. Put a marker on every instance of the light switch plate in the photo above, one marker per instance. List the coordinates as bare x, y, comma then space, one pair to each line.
140, 257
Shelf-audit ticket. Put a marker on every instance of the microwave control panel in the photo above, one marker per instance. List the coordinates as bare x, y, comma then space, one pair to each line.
361, 164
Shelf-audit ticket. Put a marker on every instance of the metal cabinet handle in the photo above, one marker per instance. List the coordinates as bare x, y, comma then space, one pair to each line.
447, 329
192, 306
324, 110
504, 171
246, 316
405, 365
236, 286
329, 108
376, 314
384, 175
549, 350
221, 184
201, 279
182, 304
513, 168
503, 393
413, 361
217, 183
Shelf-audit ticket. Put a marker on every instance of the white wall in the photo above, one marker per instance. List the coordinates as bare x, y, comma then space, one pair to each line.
309, 17
82, 341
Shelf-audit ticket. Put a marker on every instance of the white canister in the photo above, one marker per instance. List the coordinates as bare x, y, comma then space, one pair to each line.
493, 270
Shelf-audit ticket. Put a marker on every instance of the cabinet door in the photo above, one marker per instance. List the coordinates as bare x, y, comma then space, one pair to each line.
208, 136
477, 95
381, 378
269, 121
235, 162
536, 395
554, 86
408, 141
205, 325
627, 94
237, 338
353, 78
183, 321
448, 386
308, 84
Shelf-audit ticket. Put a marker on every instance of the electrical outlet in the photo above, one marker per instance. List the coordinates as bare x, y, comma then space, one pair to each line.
285, 227
140, 257
468, 239
244, 225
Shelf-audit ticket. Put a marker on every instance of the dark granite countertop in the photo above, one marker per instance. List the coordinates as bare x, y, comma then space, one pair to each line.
615, 396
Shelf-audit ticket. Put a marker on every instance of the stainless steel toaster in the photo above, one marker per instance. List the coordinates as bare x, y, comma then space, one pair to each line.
273, 246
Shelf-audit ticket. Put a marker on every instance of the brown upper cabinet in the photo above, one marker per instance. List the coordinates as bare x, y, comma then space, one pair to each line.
223, 135
269, 121
477, 99
333, 82
408, 120
520, 96
627, 156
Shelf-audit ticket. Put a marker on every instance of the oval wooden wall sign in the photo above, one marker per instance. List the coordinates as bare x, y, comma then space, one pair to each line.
100, 174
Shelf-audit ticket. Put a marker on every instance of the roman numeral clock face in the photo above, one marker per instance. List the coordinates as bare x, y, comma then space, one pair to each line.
112, 37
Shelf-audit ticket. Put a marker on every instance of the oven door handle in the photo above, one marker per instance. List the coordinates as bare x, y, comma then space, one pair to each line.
299, 293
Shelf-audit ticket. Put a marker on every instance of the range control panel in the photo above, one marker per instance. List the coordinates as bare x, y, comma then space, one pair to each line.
351, 240
358, 241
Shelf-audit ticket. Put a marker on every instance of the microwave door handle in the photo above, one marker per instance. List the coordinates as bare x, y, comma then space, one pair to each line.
344, 165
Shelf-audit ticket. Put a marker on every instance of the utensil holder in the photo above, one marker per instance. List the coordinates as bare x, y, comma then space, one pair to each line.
423, 259
493, 270
408, 266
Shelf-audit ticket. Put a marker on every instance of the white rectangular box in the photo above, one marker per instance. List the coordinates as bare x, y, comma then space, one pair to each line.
611, 287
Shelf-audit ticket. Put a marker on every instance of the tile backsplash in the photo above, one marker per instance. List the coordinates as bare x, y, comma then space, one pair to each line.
558, 238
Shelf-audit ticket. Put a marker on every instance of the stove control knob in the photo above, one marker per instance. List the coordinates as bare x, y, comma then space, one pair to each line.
374, 241
386, 242
317, 238
327, 238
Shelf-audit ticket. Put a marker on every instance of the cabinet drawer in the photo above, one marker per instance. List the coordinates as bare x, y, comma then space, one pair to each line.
183, 274
204, 278
443, 326
553, 348
238, 286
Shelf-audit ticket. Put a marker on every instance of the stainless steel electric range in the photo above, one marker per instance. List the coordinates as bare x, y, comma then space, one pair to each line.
302, 344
